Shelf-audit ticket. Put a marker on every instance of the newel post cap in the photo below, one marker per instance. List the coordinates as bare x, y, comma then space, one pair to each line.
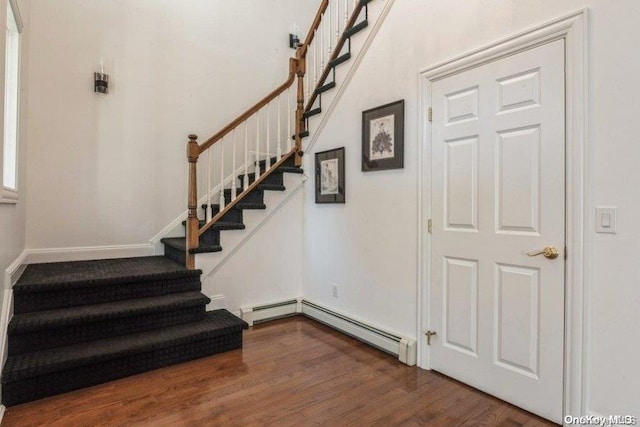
193, 149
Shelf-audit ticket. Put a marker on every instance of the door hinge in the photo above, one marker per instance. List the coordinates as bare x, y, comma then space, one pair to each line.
430, 114
430, 334
429, 225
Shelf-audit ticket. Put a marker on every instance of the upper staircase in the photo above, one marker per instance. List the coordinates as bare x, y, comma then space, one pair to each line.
267, 138
78, 324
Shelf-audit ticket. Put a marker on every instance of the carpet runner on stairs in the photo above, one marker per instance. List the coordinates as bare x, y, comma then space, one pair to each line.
176, 247
78, 324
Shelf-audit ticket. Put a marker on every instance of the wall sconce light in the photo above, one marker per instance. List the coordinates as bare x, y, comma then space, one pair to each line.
101, 82
294, 41
294, 38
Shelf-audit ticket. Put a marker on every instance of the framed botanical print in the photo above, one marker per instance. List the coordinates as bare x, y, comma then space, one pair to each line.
383, 137
330, 176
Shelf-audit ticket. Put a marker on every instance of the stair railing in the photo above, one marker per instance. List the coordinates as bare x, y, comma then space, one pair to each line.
268, 126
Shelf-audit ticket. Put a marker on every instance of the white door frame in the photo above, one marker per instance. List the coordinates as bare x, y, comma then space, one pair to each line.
573, 29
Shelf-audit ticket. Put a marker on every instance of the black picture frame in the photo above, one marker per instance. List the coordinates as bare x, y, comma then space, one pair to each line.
385, 149
329, 187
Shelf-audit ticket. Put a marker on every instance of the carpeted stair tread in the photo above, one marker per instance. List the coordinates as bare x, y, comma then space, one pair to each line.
356, 28
290, 162
221, 225
30, 365
324, 88
79, 274
271, 187
252, 175
310, 113
291, 169
339, 60
242, 205
180, 243
262, 186
27, 322
278, 171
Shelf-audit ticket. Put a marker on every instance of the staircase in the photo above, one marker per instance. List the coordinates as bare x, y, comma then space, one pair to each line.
78, 324
276, 125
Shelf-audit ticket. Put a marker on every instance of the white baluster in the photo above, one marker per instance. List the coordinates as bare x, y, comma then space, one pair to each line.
337, 21
207, 211
257, 170
315, 60
267, 165
329, 24
346, 13
245, 181
290, 131
221, 175
322, 45
279, 141
234, 189
307, 74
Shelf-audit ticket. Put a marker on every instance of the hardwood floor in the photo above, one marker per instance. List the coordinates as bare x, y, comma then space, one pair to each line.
291, 372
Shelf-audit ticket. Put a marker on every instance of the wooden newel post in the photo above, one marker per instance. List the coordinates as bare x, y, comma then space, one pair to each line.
193, 152
300, 125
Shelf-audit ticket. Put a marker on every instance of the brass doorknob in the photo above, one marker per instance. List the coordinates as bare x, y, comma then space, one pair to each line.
550, 252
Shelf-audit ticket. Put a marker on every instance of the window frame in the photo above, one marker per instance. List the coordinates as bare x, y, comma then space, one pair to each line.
8, 194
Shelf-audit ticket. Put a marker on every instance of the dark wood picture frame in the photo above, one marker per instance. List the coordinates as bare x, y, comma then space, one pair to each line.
329, 187
388, 142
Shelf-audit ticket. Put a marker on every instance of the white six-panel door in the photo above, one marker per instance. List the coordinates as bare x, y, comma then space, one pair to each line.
498, 192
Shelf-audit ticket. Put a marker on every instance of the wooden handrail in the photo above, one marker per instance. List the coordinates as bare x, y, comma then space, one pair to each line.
293, 68
334, 55
314, 26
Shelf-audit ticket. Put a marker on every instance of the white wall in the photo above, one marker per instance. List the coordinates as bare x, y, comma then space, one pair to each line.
111, 170
368, 246
12, 216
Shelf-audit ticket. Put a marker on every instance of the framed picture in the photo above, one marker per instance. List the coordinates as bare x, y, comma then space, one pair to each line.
383, 137
330, 176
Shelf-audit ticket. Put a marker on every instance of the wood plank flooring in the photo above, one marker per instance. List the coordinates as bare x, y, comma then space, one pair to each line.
291, 372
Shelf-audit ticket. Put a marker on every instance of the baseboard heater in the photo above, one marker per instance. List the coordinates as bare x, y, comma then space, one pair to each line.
404, 348
264, 313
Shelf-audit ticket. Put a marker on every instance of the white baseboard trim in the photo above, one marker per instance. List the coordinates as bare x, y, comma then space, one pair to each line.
11, 276
37, 256
15, 270
265, 312
217, 302
5, 317
403, 347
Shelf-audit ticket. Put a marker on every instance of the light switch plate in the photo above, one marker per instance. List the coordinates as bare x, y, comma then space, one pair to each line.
606, 219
